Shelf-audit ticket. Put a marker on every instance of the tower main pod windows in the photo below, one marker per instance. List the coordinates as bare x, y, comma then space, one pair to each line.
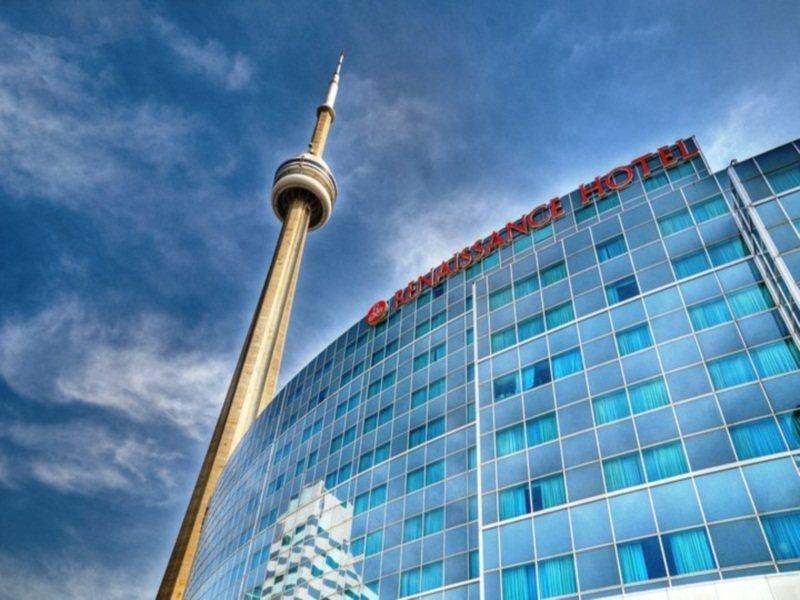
606, 406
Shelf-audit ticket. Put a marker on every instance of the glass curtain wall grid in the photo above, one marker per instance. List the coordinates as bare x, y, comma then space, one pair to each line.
605, 405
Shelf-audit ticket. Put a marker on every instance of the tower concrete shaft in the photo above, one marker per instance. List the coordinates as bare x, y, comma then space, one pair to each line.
303, 195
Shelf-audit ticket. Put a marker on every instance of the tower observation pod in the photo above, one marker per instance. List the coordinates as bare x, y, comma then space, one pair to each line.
303, 196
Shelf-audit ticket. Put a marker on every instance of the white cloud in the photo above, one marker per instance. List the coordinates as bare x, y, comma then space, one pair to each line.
211, 59
62, 138
68, 354
752, 122
67, 578
86, 458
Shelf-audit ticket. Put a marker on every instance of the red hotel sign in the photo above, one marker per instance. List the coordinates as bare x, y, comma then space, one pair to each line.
541, 216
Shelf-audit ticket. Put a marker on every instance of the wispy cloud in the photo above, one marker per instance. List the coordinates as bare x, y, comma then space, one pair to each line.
233, 70
87, 458
67, 353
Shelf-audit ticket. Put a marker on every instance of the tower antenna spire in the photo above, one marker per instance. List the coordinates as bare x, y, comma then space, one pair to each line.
325, 112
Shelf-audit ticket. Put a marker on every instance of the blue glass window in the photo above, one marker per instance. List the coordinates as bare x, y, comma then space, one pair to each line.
656, 181
356, 548
434, 521
621, 290
634, 339
750, 300
526, 285
437, 388
641, 560
530, 327
783, 534
688, 552
412, 528
585, 213
610, 407
509, 440
567, 363
542, 429
535, 375
709, 313
730, 370
677, 221
506, 386
713, 207
519, 583
611, 248
623, 471
434, 472
775, 358
374, 543
514, 502
756, 438
557, 577
420, 361
785, 179
415, 480
555, 317
648, 395
790, 424
607, 203
667, 460
409, 582
416, 436
438, 352
361, 503
727, 251
503, 339
419, 397
500, 298
690, 264
548, 492
553, 273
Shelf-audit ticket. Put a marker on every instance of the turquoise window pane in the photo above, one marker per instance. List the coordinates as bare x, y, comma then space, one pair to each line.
432, 576
785, 179
557, 577
416, 436
543, 234
709, 313
790, 424
438, 352
415, 480
783, 534
491, 261
535, 375
409, 582
750, 300
709, 209
611, 248
412, 528
675, 222
610, 407
542, 429
530, 327
525, 286
503, 339
377, 496
548, 492
474, 565
552, 274
656, 181
436, 428
506, 386
381, 453
585, 213
664, 461
776, 358
559, 315
634, 339
500, 298
607, 203
362, 503
522, 243
374, 543
621, 290
641, 560
438, 319
420, 361
648, 395
434, 521
623, 471
727, 251
567, 363
688, 552
424, 299
356, 548
691, 264
472, 271
681, 171
730, 370
519, 583
434, 472
514, 502
509, 440
419, 397
756, 438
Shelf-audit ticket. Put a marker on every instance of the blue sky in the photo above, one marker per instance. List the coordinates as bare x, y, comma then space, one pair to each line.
137, 146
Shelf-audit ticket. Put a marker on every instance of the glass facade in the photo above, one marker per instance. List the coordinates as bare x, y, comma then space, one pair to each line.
607, 404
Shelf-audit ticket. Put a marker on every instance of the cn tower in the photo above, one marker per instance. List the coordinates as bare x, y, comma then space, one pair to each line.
303, 196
